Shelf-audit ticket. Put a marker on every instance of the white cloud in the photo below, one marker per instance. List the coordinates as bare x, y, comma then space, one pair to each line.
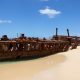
51, 13
5, 21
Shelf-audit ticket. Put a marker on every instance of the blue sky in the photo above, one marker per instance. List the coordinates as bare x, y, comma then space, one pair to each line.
39, 18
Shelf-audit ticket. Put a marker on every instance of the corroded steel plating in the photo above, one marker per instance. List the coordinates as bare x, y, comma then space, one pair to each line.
23, 47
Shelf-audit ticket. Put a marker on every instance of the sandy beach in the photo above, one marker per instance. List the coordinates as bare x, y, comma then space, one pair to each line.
60, 66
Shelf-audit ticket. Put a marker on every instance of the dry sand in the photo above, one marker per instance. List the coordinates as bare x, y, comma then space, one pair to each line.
61, 66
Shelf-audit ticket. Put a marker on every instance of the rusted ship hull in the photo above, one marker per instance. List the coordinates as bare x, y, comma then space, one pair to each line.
28, 50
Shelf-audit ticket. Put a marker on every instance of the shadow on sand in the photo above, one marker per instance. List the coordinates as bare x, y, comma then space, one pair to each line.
50, 59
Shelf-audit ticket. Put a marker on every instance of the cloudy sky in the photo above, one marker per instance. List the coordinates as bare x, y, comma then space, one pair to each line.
39, 18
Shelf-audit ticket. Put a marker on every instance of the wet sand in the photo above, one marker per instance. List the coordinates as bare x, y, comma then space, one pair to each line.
60, 66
